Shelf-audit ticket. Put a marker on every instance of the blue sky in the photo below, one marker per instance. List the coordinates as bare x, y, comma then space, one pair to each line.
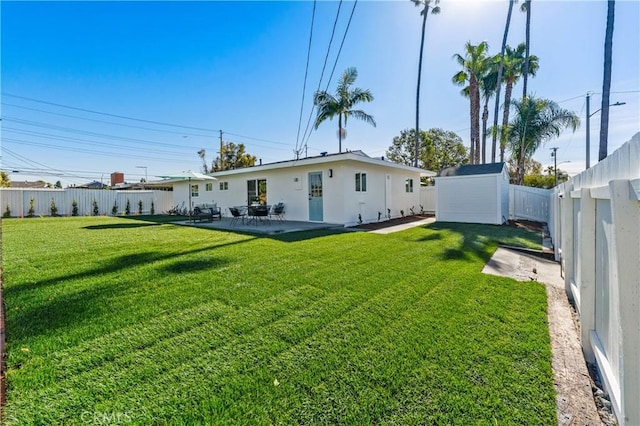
239, 67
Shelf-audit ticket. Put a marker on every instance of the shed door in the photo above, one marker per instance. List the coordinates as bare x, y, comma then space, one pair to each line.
315, 196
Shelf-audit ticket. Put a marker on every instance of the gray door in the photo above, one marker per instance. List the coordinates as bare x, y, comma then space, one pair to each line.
315, 196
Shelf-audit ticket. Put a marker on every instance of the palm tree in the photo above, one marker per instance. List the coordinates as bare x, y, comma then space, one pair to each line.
606, 82
342, 104
514, 62
536, 121
526, 7
202, 153
474, 64
435, 9
488, 87
500, 65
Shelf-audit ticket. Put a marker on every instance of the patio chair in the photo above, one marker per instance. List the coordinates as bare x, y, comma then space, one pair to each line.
260, 214
199, 215
237, 215
277, 212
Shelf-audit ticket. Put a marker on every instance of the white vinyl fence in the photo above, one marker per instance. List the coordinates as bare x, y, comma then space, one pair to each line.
19, 200
595, 226
428, 198
529, 203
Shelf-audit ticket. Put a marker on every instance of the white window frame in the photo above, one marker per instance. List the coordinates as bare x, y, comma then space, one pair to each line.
361, 181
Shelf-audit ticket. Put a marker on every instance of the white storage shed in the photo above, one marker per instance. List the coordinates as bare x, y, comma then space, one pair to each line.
473, 194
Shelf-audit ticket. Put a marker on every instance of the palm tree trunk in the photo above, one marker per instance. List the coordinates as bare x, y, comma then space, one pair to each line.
485, 118
474, 93
606, 82
505, 118
526, 55
424, 25
499, 84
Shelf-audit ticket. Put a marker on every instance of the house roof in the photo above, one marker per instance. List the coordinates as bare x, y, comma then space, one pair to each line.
28, 184
472, 169
358, 156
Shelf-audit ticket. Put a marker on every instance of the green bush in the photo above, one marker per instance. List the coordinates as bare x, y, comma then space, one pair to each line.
114, 209
74, 208
153, 208
127, 209
7, 212
32, 209
140, 207
54, 208
96, 212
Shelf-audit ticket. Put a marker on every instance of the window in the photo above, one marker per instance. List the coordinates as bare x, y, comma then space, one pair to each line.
257, 191
408, 185
361, 182
209, 187
224, 186
194, 190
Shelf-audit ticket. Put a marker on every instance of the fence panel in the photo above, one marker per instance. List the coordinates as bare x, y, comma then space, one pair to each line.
21, 200
596, 225
428, 198
529, 203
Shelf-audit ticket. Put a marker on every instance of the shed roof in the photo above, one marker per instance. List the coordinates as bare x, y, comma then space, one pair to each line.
472, 169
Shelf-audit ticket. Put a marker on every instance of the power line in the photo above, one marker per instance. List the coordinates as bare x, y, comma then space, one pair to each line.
124, 117
105, 122
335, 63
306, 71
326, 58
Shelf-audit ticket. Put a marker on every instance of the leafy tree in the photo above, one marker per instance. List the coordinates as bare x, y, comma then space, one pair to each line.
606, 82
514, 67
234, 156
438, 149
474, 66
499, 78
74, 207
4, 179
58, 185
342, 104
435, 9
536, 121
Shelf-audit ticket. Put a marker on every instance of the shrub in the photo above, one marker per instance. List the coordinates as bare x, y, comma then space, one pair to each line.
412, 210
74, 208
7, 212
140, 207
379, 216
402, 213
127, 208
32, 209
96, 212
359, 218
114, 209
153, 208
54, 208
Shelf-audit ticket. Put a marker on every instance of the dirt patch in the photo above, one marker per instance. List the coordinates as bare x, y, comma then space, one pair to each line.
526, 224
392, 222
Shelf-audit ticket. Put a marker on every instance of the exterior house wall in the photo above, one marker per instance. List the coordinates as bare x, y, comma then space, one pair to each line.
385, 189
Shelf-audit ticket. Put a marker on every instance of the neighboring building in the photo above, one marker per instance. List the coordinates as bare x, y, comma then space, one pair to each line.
94, 185
473, 194
334, 188
117, 178
31, 185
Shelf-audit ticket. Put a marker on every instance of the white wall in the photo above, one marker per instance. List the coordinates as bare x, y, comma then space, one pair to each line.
595, 224
341, 202
18, 200
428, 198
469, 199
529, 203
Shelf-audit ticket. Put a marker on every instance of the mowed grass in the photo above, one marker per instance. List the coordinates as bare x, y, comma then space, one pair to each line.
112, 320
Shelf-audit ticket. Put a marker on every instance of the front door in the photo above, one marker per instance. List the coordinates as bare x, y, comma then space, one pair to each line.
315, 196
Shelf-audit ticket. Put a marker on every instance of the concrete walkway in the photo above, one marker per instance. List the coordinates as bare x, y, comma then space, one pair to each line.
403, 226
574, 397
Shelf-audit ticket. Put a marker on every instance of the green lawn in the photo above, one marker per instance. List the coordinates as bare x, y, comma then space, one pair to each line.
116, 320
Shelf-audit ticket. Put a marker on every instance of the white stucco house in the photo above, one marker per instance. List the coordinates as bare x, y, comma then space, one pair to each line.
330, 188
473, 194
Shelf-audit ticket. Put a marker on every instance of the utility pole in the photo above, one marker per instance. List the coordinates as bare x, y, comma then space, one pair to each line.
554, 154
221, 161
588, 131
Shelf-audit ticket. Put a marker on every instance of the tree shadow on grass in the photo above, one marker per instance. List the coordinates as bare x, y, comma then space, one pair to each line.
481, 240
74, 308
120, 226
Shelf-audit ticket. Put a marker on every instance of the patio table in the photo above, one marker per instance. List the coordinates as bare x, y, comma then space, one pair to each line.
258, 214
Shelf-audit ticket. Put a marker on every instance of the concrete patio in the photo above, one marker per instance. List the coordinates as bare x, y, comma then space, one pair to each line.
271, 227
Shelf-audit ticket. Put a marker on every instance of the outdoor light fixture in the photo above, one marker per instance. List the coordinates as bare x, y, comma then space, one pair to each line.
330, 173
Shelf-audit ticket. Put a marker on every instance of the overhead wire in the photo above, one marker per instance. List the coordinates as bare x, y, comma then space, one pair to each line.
324, 66
306, 71
335, 63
